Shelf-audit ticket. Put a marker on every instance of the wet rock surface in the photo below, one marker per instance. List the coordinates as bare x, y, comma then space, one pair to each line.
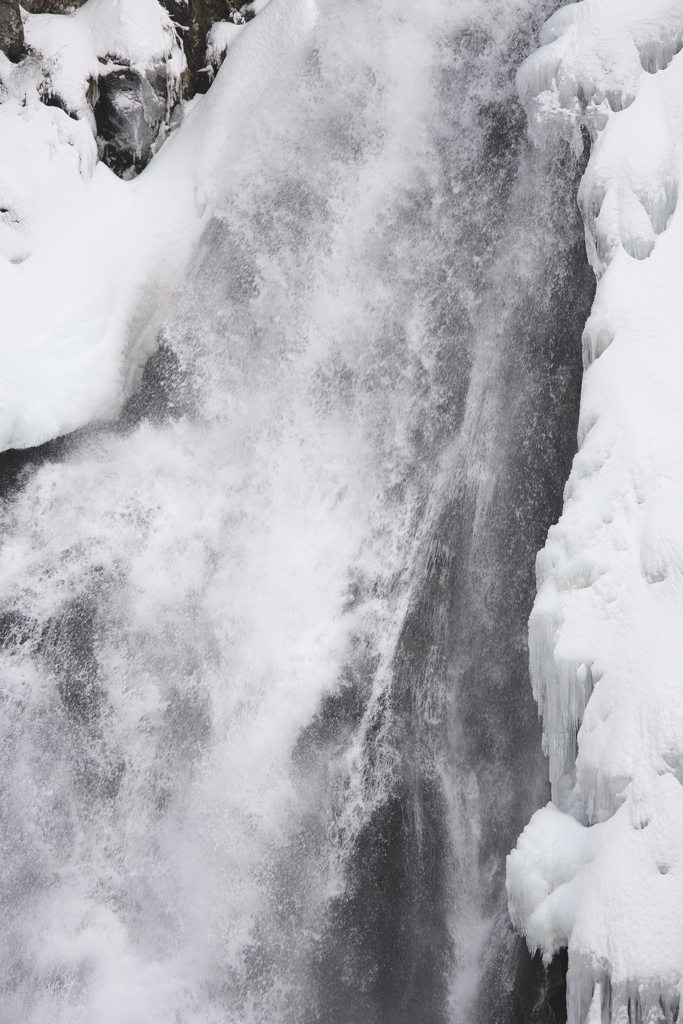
131, 108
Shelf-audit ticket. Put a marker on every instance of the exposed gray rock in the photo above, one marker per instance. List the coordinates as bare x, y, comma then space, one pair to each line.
11, 30
194, 19
131, 108
51, 6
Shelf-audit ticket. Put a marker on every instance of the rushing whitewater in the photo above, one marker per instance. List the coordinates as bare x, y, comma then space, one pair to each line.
267, 730
599, 869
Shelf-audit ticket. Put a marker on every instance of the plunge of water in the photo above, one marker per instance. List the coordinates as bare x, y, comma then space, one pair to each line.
267, 731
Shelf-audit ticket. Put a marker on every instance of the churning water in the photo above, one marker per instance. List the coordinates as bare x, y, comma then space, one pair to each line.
267, 732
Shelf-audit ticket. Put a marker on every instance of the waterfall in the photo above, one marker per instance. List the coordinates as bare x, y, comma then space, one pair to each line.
268, 732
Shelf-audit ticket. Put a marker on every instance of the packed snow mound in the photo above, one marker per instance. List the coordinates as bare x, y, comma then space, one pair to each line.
601, 869
89, 262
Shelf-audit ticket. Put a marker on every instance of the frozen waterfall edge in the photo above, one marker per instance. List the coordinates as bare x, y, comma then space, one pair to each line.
599, 869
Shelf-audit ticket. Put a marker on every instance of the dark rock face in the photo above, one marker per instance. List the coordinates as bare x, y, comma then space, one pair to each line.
51, 6
11, 30
193, 19
131, 108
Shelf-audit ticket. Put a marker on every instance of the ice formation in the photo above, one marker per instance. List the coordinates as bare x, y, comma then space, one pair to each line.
600, 869
104, 255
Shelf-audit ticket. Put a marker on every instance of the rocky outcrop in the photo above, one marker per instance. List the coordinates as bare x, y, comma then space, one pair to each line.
129, 101
193, 20
11, 27
51, 6
11, 30
131, 109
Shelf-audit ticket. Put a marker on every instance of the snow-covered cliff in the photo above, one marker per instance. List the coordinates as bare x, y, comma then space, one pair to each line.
600, 870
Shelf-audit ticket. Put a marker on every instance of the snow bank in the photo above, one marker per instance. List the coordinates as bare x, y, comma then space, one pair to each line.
601, 869
88, 262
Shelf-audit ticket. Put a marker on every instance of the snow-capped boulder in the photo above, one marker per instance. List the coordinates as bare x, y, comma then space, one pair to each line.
121, 67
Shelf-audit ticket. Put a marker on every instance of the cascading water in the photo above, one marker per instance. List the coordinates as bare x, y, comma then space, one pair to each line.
267, 727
